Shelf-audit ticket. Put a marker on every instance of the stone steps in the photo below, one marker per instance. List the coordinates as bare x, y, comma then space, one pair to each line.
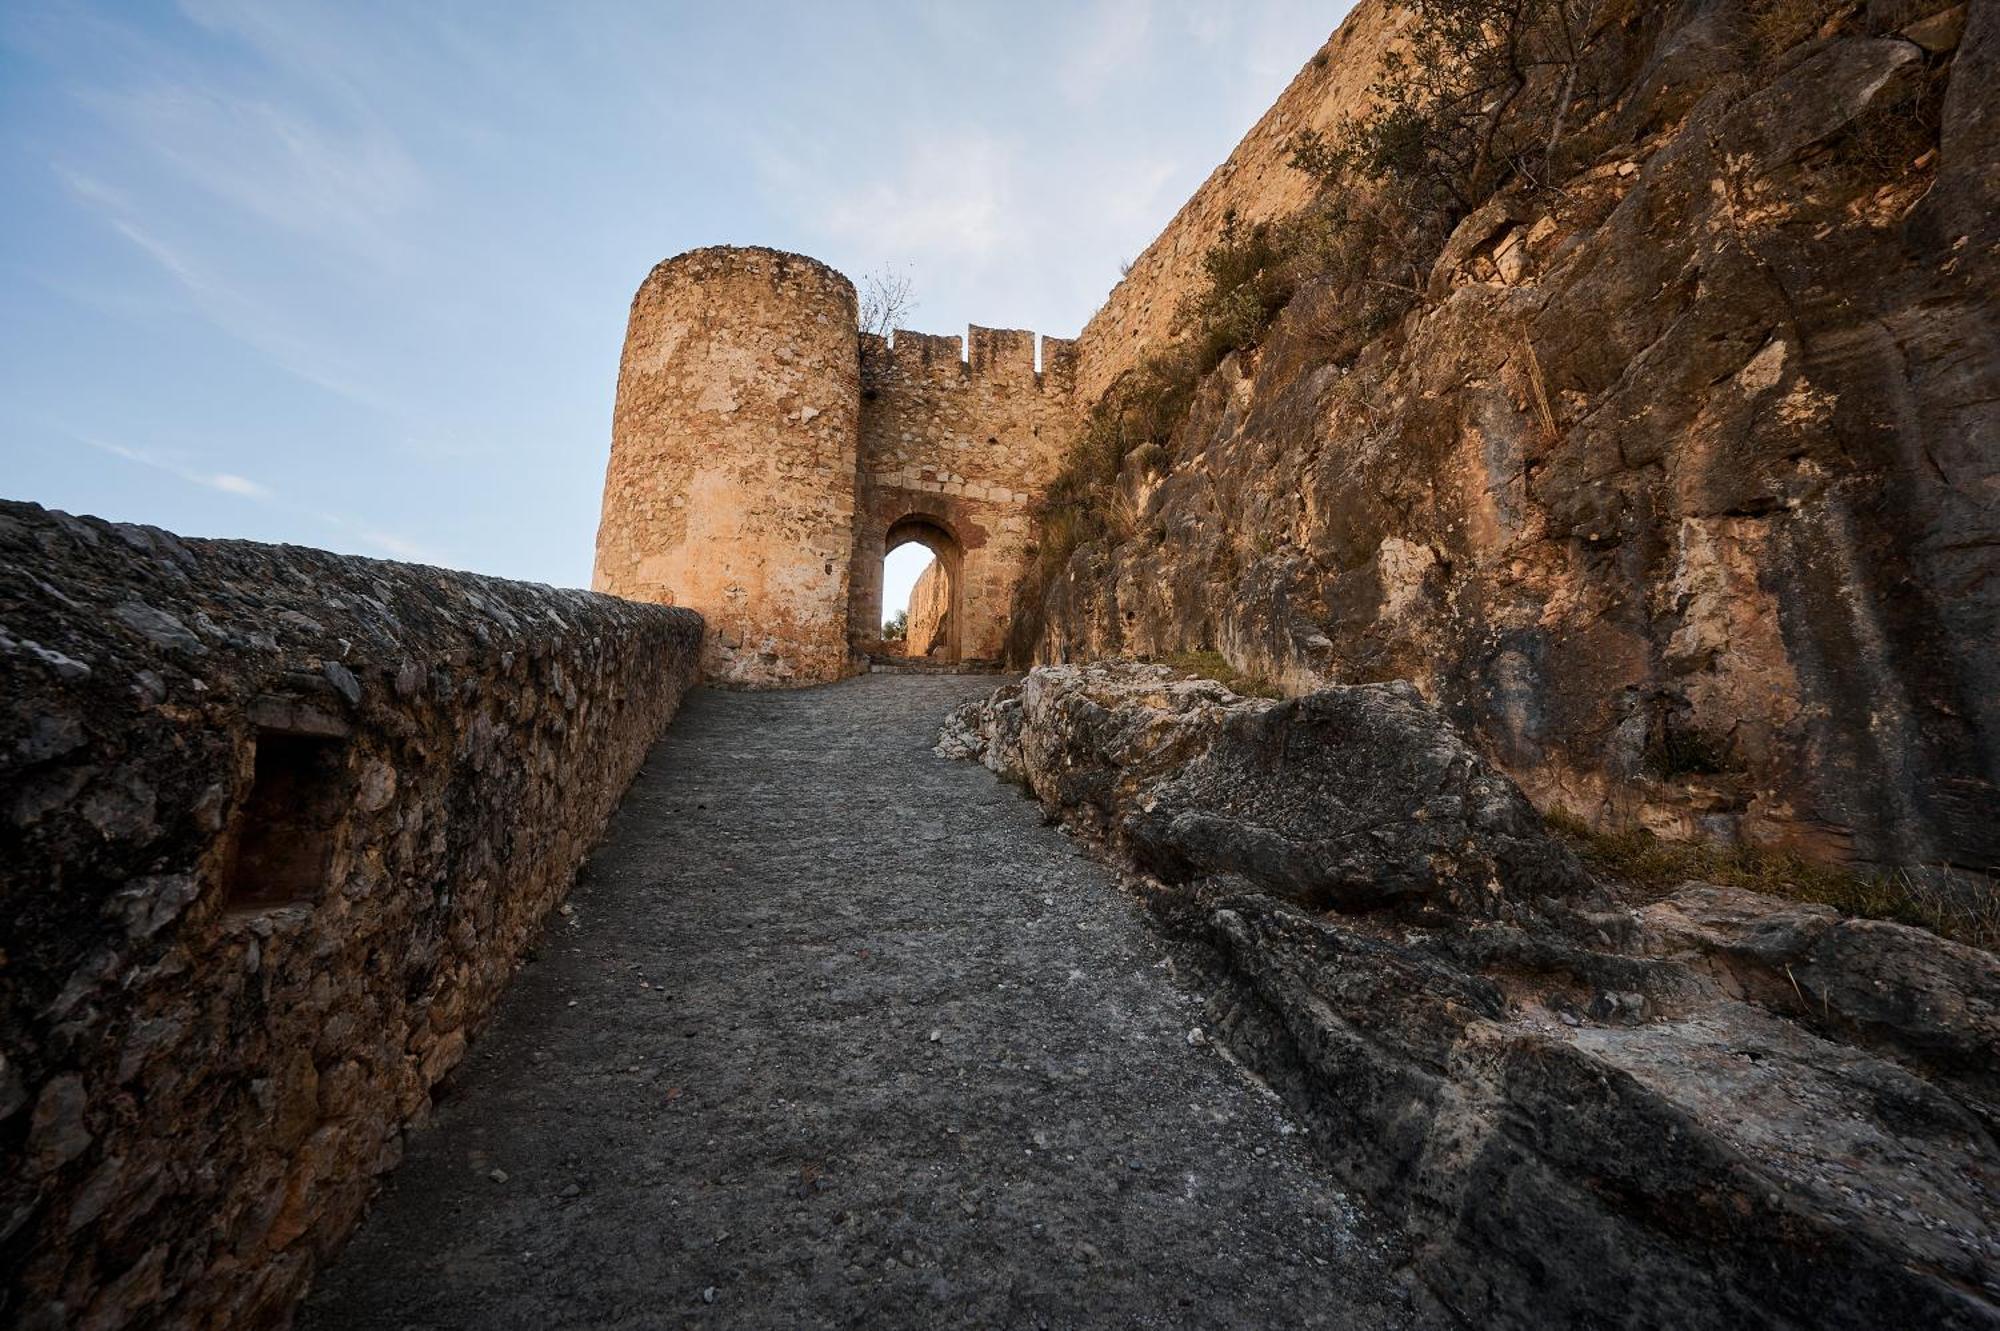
879, 664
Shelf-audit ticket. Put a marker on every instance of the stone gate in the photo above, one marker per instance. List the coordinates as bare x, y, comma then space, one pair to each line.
766, 455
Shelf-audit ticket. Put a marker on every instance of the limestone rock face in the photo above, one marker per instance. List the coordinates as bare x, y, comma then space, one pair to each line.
1350, 797
276, 826
1676, 488
1716, 1109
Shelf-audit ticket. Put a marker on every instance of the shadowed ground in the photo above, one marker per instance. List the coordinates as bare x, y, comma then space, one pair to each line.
839, 1033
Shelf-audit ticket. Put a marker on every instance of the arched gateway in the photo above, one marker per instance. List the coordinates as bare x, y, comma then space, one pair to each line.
938, 635
765, 455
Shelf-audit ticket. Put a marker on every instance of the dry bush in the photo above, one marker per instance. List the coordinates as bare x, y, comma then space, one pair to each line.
1776, 26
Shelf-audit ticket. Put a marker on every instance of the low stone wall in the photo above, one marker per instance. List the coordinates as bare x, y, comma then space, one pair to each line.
276, 825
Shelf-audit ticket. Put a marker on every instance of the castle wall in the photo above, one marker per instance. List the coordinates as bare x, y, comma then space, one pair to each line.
965, 445
280, 825
929, 610
1256, 182
731, 486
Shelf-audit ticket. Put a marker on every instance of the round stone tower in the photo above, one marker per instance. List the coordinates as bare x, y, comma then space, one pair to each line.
731, 487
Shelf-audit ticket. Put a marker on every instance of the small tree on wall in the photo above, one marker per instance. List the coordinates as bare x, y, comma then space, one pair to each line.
896, 627
886, 301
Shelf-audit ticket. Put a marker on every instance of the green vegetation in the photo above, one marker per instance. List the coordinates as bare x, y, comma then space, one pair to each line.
1638, 857
1486, 85
1215, 666
1249, 275
896, 627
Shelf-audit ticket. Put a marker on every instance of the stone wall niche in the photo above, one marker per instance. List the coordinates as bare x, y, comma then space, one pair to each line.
285, 830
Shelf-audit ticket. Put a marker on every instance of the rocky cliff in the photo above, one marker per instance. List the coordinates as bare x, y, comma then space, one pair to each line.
1585, 1107
1675, 480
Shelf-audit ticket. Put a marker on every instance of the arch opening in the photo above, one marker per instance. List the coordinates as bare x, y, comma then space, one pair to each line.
922, 595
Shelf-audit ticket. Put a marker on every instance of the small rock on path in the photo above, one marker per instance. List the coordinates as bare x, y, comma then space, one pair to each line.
838, 1033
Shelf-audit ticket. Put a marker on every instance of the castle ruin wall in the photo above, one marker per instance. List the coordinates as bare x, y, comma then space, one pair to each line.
1255, 183
929, 610
276, 826
961, 448
731, 482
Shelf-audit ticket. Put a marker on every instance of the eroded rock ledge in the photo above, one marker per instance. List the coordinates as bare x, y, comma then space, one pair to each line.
1719, 1108
275, 827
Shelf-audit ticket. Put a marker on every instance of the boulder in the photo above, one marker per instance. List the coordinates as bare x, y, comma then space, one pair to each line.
1715, 1109
1350, 798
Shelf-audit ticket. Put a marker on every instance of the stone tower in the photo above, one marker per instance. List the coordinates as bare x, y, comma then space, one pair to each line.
731, 486
765, 455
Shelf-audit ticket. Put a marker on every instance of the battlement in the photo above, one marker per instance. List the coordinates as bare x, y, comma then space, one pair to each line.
720, 262
763, 448
999, 356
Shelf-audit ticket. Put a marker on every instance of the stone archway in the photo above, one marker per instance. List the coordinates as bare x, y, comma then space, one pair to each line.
931, 532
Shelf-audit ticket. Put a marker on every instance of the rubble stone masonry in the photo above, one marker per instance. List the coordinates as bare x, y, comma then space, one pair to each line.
731, 483
766, 455
929, 613
276, 826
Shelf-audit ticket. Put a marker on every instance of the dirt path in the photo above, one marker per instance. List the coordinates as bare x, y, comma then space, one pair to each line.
839, 1033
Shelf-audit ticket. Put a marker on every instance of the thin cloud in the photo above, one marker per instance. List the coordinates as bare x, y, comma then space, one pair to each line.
1112, 38
234, 310
398, 546
386, 542
950, 199
225, 481
340, 186
228, 482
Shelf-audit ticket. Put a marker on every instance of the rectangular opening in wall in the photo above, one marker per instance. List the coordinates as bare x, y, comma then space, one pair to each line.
285, 829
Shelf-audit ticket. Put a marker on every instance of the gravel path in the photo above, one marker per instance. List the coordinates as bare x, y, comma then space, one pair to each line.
838, 1033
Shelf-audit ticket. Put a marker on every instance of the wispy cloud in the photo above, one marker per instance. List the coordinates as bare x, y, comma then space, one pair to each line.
398, 546
1107, 42
384, 542
270, 188
226, 481
237, 309
361, 531
338, 185
950, 199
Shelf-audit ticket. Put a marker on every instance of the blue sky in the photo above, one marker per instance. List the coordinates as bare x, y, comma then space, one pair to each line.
354, 275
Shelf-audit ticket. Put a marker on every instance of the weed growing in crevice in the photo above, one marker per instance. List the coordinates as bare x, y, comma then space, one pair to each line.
1966, 911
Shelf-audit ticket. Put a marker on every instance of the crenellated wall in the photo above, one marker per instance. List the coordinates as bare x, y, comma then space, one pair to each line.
276, 826
953, 453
